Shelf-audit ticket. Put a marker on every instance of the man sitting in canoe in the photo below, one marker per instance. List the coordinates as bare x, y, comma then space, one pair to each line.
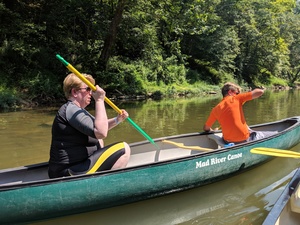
230, 115
77, 146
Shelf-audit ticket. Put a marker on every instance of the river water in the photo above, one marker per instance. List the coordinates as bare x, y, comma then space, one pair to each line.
243, 199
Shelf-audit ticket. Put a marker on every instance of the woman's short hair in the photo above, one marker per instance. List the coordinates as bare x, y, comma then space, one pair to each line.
72, 81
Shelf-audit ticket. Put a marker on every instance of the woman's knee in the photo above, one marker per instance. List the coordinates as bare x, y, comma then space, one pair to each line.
123, 160
127, 149
127, 153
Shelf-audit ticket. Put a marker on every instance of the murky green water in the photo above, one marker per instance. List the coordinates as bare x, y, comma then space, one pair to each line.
244, 199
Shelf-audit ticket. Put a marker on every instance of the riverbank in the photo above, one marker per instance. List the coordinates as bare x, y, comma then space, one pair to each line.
12, 100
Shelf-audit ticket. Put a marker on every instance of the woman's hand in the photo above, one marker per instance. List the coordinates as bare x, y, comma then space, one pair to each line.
123, 116
99, 93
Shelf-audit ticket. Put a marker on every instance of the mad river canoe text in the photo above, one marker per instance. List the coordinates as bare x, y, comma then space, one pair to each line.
217, 160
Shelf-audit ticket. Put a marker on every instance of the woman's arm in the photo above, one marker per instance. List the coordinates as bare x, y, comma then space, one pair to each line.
118, 119
101, 121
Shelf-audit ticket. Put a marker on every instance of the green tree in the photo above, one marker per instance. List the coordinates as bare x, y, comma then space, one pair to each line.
140, 44
264, 49
292, 28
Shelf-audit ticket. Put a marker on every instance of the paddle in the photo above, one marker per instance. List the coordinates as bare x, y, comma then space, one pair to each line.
88, 83
181, 145
275, 152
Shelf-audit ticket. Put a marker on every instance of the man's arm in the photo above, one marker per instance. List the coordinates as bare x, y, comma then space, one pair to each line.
257, 92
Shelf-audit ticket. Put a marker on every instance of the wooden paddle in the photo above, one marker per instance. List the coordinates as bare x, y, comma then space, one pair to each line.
275, 152
181, 145
88, 83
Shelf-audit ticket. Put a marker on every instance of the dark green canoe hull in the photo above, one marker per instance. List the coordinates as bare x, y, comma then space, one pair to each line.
50, 198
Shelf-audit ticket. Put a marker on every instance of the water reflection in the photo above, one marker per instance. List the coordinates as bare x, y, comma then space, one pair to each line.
243, 209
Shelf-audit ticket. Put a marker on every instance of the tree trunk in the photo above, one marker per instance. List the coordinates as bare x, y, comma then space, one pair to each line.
111, 36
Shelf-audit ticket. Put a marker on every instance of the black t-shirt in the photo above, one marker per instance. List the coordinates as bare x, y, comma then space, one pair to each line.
73, 137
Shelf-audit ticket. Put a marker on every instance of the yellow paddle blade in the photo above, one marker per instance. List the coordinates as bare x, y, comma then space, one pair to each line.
275, 152
181, 145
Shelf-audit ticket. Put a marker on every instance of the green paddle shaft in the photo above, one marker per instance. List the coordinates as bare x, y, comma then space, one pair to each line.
88, 83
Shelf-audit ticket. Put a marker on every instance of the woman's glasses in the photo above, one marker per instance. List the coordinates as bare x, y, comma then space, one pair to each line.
88, 89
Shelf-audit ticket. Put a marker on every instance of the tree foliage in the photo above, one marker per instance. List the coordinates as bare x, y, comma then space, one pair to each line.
129, 44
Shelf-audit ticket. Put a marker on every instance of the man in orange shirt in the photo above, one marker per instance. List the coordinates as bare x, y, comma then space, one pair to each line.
230, 115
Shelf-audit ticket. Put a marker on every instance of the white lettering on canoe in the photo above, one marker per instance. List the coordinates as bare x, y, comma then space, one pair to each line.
202, 164
216, 160
235, 156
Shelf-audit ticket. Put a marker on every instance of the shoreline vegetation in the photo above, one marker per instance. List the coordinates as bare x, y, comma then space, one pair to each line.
13, 100
146, 49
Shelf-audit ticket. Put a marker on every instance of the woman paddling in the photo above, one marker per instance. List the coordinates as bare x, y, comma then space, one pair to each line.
77, 146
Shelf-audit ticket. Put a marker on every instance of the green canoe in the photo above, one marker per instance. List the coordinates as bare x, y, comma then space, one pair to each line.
286, 210
27, 194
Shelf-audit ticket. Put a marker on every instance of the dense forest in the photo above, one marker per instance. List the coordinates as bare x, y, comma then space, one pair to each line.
136, 47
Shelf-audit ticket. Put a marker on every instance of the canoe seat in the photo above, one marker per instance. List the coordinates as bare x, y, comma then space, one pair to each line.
164, 154
218, 139
173, 153
144, 158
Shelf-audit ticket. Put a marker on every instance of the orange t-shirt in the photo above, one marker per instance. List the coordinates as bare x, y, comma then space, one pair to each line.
229, 113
